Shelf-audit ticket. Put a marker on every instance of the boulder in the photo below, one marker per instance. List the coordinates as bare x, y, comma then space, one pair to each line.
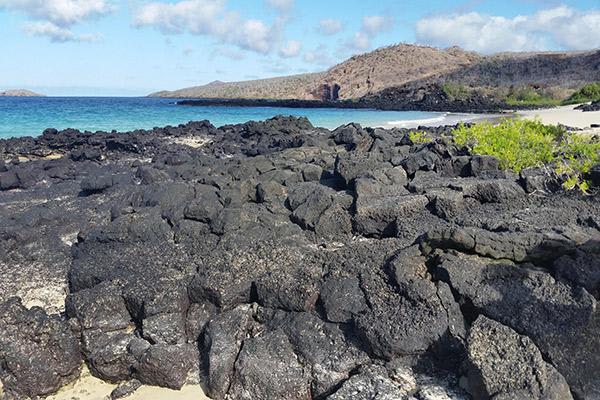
268, 369
351, 165
323, 349
164, 365
222, 340
372, 383
342, 299
505, 365
38, 353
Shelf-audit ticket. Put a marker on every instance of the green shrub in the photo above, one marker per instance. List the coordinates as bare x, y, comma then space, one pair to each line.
590, 92
530, 96
419, 137
456, 91
519, 144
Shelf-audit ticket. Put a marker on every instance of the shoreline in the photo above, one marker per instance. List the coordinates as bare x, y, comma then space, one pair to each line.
565, 115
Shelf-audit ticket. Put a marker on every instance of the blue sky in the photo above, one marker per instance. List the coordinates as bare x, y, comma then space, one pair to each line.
133, 47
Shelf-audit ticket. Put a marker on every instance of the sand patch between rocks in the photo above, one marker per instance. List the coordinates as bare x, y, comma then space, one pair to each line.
88, 387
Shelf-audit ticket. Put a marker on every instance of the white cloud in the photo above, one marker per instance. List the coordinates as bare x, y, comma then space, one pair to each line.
319, 56
372, 25
360, 41
228, 52
211, 18
56, 33
291, 49
54, 18
558, 27
283, 6
60, 12
329, 26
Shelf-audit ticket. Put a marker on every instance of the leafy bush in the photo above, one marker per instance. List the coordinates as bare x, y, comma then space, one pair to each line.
419, 137
587, 93
456, 91
530, 96
520, 144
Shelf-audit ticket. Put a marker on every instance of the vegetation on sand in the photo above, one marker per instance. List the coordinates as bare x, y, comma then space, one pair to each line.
530, 96
520, 144
587, 93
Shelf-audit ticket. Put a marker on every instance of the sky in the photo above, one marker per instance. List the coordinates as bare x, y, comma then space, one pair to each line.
134, 47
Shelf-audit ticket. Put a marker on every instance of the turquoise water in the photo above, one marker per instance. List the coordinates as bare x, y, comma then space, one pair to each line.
30, 116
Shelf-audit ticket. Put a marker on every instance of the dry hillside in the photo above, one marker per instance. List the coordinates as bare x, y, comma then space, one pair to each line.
19, 93
394, 66
289, 87
404, 65
567, 70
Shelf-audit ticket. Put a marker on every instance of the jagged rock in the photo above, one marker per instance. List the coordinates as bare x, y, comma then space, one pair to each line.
490, 191
582, 267
164, 365
126, 389
399, 324
484, 166
98, 183
350, 166
205, 206
446, 203
38, 353
277, 243
515, 246
538, 180
423, 160
500, 289
222, 341
351, 134
107, 329
149, 175
505, 365
269, 192
378, 215
322, 348
267, 368
9, 180
552, 313
372, 383
312, 173
342, 299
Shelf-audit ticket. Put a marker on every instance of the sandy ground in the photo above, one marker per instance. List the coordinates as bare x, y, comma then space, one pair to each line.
87, 387
566, 115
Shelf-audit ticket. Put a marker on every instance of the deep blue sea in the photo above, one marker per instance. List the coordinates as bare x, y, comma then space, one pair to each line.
29, 116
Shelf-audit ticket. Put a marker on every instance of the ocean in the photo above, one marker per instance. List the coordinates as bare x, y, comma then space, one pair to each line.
29, 116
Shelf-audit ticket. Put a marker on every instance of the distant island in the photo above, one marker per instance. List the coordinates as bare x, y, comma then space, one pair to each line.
411, 77
20, 93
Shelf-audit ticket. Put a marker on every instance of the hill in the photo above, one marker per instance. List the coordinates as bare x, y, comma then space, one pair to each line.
394, 66
19, 93
289, 87
416, 71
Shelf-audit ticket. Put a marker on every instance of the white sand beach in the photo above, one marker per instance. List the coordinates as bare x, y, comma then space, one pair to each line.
566, 115
88, 387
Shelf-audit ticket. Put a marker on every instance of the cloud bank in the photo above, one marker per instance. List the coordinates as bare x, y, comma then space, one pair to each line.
212, 18
55, 18
560, 27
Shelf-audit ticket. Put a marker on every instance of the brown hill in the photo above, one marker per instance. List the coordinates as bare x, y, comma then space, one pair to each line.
394, 66
289, 87
412, 66
19, 93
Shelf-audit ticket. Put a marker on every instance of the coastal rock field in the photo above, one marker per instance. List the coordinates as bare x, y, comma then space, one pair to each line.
276, 260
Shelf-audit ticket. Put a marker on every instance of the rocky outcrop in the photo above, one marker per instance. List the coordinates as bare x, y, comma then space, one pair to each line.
19, 93
283, 261
38, 353
594, 106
